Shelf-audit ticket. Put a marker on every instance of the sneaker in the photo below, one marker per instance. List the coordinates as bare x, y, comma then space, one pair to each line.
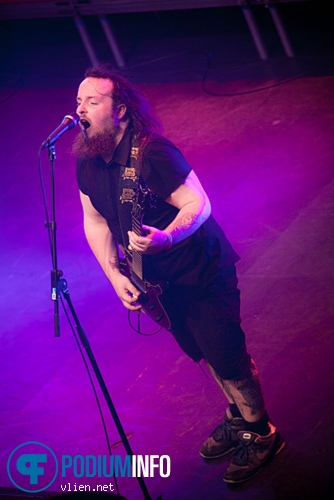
252, 454
224, 438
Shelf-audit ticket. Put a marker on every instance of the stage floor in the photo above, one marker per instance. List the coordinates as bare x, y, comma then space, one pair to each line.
265, 158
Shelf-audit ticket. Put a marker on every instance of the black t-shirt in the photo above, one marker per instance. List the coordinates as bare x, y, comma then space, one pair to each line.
195, 260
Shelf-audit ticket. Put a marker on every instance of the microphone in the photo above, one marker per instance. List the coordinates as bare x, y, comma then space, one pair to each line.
67, 123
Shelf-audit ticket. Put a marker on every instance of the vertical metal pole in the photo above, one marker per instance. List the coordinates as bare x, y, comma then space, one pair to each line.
255, 32
281, 31
87, 349
112, 41
86, 40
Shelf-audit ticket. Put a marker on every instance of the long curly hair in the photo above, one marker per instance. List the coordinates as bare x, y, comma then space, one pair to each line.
138, 110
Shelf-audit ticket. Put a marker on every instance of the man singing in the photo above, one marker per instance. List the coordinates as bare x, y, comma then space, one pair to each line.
120, 150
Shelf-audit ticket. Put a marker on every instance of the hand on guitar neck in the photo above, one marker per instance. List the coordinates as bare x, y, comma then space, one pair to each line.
153, 242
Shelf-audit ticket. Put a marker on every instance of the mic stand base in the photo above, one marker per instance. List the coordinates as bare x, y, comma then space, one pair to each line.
85, 344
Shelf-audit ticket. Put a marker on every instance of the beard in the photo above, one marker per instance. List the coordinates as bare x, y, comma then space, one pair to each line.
102, 144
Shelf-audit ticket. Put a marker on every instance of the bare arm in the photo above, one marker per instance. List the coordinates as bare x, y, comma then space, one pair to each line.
194, 205
194, 209
104, 247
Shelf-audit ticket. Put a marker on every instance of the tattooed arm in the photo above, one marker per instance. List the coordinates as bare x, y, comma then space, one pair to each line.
194, 205
194, 208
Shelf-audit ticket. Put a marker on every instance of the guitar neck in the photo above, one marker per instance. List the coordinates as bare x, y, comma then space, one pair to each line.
142, 203
137, 260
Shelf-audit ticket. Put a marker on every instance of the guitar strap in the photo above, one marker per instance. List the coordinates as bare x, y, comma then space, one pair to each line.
129, 183
129, 179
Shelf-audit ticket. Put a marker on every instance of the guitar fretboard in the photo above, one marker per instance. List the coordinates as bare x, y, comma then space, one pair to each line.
137, 260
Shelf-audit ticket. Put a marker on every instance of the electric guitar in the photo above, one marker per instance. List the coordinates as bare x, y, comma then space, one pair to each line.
132, 265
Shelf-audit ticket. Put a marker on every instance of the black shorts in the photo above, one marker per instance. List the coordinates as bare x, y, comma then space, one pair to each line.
206, 324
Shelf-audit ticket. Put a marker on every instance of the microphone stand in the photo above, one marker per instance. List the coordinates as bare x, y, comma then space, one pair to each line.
55, 273
59, 285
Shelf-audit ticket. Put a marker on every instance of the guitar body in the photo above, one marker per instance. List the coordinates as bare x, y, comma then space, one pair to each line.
149, 295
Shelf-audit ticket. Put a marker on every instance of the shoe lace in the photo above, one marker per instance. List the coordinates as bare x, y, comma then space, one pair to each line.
222, 432
242, 452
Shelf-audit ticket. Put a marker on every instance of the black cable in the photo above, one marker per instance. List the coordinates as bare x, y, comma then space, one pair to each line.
9, 95
138, 328
47, 220
18, 86
91, 381
258, 89
245, 92
47, 224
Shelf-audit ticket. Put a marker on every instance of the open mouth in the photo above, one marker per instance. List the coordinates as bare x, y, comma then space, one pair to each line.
85, 124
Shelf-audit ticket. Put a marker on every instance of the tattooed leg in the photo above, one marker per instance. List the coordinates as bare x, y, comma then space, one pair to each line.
246, 394
221, 384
